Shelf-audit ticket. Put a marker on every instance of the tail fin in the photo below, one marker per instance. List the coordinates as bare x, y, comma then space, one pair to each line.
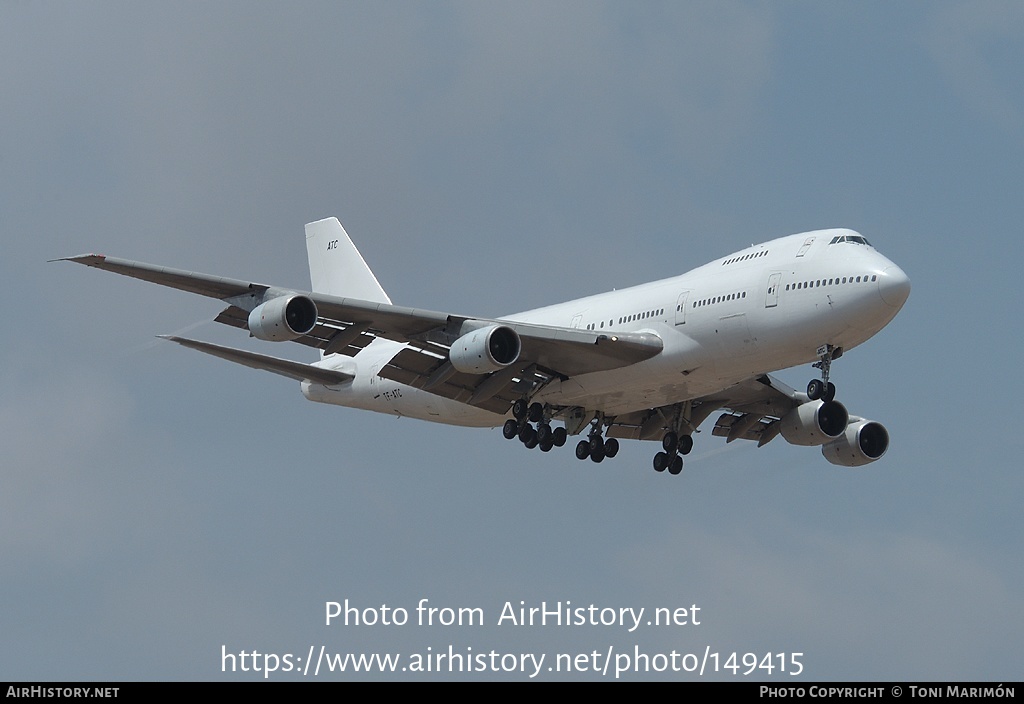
335, 265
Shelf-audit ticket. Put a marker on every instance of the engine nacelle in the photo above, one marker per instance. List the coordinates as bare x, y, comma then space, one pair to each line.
863, 442
815, 423
485, 350
283, 318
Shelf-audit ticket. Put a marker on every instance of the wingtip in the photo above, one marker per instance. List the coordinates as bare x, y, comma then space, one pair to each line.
87, 259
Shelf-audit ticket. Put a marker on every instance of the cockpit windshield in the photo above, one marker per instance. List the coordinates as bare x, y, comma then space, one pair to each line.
855, 239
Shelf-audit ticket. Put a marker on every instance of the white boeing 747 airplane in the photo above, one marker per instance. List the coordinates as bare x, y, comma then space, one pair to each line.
651, 362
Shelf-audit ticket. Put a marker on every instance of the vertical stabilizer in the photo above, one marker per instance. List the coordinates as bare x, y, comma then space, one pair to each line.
335, 265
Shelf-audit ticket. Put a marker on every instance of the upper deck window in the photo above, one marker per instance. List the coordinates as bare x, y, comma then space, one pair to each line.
745, 257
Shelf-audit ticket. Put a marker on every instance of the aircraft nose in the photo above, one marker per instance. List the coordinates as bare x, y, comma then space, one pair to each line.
894, 286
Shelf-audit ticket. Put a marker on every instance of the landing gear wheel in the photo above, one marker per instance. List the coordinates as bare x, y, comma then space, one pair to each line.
583, 450
670, 442
830, 392
559, 435
824, 389
611, 447
536, 412
660, 462
520, 408
545, 446
598, 454
676, 466
527, 432
815, 389
531, 442
596, 444
510, 430
685, 444
544, 435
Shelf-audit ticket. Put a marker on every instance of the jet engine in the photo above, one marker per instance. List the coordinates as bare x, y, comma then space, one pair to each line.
815, 423
283, 318
485, 350
864, 441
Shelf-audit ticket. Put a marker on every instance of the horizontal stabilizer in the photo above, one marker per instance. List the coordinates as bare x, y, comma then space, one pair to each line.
284, 367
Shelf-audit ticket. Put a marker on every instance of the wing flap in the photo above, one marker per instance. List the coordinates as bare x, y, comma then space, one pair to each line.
414, 367
733, 427
753, 409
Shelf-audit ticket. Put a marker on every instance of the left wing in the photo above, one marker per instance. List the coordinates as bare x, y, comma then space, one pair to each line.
761, 414
347, 325
754, 409
760, 409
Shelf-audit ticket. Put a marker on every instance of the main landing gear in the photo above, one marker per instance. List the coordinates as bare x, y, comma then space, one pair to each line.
679, 424
673, 445
822, 388
543, 436
596, 447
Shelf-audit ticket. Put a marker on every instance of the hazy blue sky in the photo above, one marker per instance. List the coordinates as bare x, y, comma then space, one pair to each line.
157, 504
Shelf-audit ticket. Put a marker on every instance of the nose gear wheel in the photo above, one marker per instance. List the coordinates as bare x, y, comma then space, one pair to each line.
822, 388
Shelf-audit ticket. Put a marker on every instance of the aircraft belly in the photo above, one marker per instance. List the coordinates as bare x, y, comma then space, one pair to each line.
683, 370
400, 400
616, 394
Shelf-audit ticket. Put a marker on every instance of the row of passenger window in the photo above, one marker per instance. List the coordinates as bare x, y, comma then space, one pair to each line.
629, 318
719, 299
745, 257
832, 282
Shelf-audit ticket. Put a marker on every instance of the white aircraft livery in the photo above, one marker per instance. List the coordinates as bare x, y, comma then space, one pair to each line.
651, 362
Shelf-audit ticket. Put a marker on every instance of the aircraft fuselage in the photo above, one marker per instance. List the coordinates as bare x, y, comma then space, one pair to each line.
767, 307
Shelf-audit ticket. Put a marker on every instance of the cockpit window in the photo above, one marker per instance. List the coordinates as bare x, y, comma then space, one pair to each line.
854, 239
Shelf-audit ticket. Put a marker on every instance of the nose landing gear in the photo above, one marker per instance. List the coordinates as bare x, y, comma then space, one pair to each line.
822, 388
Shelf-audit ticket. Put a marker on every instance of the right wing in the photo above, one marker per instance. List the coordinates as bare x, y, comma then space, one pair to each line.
347, 325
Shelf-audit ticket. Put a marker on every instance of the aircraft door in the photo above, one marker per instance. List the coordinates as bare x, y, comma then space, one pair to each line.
772, 296
681, 308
